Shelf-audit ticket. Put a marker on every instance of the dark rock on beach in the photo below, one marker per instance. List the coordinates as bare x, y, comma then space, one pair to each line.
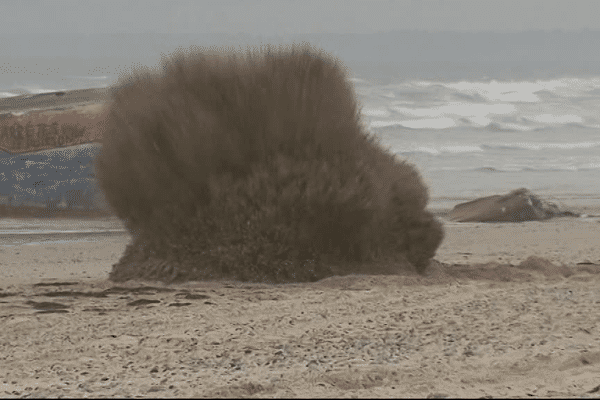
517, 206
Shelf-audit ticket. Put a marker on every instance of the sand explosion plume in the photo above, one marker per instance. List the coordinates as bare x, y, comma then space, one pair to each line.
255, 167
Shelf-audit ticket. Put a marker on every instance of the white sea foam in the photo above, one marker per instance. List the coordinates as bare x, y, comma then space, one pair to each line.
7, 94
38, 90
429, 123
458, 109
375, 112
461, 149
383, 124
541, 146
556, 119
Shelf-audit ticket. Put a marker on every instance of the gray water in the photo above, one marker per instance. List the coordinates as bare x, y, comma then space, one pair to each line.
483, 137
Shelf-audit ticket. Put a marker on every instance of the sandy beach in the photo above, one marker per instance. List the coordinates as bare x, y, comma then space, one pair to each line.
485, 321
480, 323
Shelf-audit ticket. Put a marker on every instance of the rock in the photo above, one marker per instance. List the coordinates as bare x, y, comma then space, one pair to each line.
517, 206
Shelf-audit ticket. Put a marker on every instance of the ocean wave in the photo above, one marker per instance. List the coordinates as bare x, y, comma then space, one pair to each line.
540, 146
42, 91
579, 125
493, 105
545, 94
589, 167
375, 112
473, 97
497, 92
442, 149
377, 125
521, 168
458, 109
556, 119
503, 146
461, 149
550, 158
519, 91
440, 119
4, 95
425, 123
510, 127
487, 169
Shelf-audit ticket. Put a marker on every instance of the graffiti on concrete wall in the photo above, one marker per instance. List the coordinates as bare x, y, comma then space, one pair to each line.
57, 178
18, 138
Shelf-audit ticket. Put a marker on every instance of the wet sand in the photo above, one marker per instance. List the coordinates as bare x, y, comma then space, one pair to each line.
39, 250
464, 329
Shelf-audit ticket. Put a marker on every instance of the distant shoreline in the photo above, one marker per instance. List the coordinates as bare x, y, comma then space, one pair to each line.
591, 210
52, 100
57, 213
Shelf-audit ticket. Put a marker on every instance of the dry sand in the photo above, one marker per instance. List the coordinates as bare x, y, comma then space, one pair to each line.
462, 330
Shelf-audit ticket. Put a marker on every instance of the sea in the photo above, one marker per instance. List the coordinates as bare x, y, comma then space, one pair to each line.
474, 138
470, 138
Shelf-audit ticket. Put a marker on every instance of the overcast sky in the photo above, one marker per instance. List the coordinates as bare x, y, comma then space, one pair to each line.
283, 17
48, 40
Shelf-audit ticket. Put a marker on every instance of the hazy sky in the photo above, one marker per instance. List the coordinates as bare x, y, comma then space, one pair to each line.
282, 17
48, 40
